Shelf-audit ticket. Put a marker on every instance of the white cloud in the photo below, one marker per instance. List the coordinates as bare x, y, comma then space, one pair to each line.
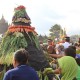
45, 13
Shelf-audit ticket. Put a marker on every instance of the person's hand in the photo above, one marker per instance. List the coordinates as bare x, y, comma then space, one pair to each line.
54, 61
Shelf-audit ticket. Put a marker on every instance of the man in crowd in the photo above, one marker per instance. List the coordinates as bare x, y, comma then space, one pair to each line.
21, 70
51, 47
67, 42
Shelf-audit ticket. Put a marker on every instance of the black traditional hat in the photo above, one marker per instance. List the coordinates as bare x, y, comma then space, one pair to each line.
49, 39
67, 38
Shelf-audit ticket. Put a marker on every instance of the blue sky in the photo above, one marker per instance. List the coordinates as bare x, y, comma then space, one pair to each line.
45, 13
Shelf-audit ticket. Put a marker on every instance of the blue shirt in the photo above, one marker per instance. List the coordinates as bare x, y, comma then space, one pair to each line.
22, 72
78, 55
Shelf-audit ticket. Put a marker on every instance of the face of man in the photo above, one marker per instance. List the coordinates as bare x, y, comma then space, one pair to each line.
15, 63
49, 42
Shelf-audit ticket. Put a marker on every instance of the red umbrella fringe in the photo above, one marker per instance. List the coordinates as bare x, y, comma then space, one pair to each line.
21, 28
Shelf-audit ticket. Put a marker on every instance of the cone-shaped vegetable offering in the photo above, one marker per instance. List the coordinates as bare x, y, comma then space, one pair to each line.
21, 34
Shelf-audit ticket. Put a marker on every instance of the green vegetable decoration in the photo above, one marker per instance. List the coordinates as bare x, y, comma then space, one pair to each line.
48, 70
21, 34
20, 15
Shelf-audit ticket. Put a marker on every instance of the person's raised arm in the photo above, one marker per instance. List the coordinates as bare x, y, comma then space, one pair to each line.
56, 55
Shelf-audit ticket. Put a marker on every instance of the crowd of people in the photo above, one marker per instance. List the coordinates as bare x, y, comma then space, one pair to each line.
67, 59
64, 56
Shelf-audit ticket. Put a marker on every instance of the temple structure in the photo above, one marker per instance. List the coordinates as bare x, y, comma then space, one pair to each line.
3, 25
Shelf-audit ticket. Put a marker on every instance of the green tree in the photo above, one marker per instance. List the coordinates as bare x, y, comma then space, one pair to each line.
56, 32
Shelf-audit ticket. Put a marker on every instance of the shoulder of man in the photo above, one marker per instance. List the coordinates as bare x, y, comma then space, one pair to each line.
7, 75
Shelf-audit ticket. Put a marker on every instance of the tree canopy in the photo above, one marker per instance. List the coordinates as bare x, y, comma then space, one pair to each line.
56, 31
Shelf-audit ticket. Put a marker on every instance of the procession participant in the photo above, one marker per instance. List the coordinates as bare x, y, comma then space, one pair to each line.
21, 70
66, 44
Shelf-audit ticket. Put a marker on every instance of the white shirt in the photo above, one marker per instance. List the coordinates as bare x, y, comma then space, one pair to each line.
66, 45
